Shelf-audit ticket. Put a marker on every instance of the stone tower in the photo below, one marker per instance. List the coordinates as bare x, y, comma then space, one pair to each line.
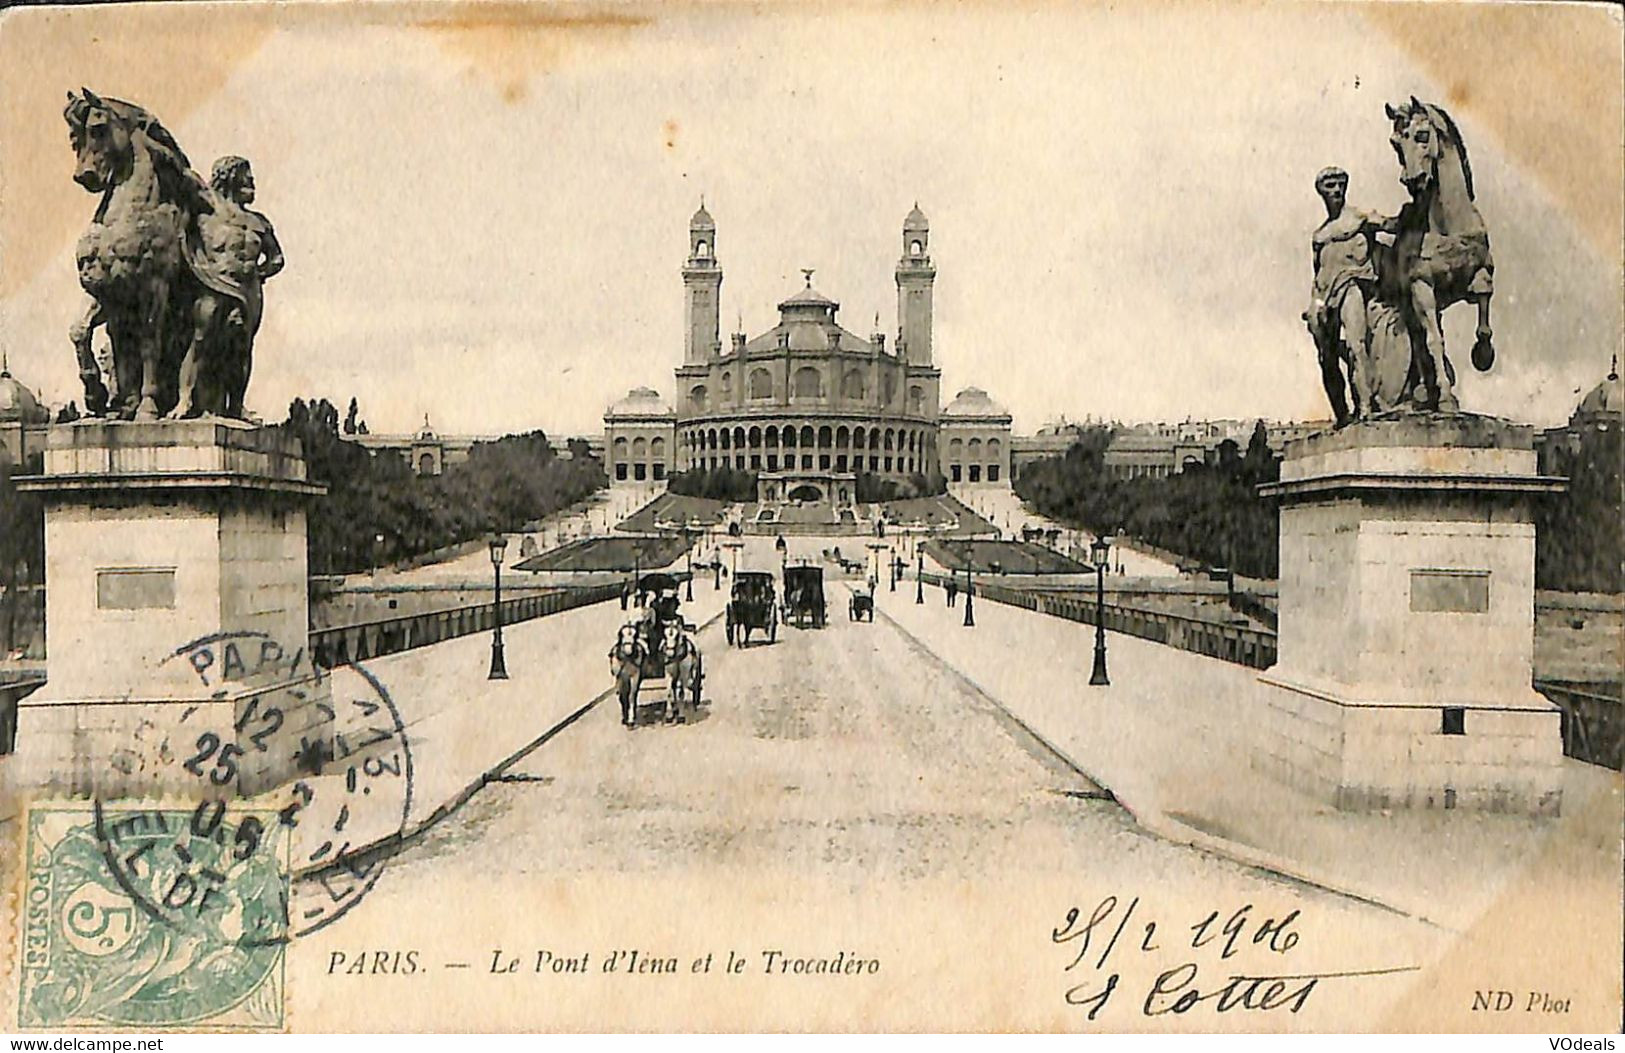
702, 280
915, 278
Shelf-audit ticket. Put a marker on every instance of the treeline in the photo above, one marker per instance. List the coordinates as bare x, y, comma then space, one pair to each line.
377, 511
717, 484
872, 489
1580, 534
1211, 513
737, 484
1208, 513
22, 546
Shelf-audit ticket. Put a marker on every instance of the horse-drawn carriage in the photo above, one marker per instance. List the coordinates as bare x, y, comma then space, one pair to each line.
752, 605
862, 607
804, 596
654, 651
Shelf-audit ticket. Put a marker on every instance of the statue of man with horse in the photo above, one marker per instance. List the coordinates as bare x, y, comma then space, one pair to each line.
172, 266
1376, 304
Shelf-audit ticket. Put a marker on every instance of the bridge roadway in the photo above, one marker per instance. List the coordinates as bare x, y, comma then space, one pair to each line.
840, 789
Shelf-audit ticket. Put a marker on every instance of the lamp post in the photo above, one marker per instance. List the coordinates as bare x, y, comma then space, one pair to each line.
377, 553
1100, 548
688, 542
499, 666
919, 575
970, 616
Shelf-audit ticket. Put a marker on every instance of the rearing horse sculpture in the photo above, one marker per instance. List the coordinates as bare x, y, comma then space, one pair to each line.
1441, 255
132, 258
171, 264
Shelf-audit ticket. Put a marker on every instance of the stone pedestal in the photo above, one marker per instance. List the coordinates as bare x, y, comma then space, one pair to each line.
1407, 619
176, 611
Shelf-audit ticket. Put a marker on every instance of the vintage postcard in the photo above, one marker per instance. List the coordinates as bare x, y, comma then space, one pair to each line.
1133, 545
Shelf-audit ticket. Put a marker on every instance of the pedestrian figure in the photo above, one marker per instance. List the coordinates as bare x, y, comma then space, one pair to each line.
953, 591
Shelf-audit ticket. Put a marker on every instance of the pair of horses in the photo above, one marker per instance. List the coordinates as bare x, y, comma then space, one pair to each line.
674, 655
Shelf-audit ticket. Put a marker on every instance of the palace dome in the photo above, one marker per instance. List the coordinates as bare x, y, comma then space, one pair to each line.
974, 402
702, 220
639, 402
915, 220
17, 403
1604, 400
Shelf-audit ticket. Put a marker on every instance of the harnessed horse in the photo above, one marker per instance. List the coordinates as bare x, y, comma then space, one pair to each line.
626, 665
683, 672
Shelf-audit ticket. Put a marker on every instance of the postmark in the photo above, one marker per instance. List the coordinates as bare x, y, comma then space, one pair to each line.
328, 753
178, 913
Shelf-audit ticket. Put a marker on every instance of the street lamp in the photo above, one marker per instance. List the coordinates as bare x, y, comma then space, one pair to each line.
688, 542
970, 617
1100, 548
919, 575
499, 667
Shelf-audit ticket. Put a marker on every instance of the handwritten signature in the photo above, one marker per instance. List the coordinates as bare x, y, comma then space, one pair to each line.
1182, 988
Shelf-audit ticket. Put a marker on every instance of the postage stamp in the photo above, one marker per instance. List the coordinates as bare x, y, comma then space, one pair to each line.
153, 916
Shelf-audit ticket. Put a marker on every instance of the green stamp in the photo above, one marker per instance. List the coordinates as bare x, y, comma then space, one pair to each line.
154, 917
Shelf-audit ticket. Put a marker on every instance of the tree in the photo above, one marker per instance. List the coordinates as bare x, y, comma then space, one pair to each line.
349, 417
22, 544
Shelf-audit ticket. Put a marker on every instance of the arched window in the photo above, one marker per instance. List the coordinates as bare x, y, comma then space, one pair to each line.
696, 398
755, 437
726, 393
809, 383
956, 451
852, 386
915, 247
807, 435
727, 439
888, 388
993, 450
771, 436
425, 464
889, 435
842, 437
789, 435
620, 447
702, 249
640, 449
657, 451
916, 399
826, 439
974, 449
761, 384
739, 438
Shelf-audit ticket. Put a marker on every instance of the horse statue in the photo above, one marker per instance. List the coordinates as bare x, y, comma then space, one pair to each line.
1440, 257
170, 265
1377, 303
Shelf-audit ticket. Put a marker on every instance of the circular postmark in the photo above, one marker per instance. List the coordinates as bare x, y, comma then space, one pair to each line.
297, 771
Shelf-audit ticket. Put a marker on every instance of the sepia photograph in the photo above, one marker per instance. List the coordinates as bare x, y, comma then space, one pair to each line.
1135, 545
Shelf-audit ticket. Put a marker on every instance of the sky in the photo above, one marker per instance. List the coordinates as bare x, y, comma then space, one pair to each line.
484, 207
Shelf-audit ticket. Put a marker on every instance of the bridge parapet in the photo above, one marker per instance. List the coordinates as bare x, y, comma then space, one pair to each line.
342, 645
